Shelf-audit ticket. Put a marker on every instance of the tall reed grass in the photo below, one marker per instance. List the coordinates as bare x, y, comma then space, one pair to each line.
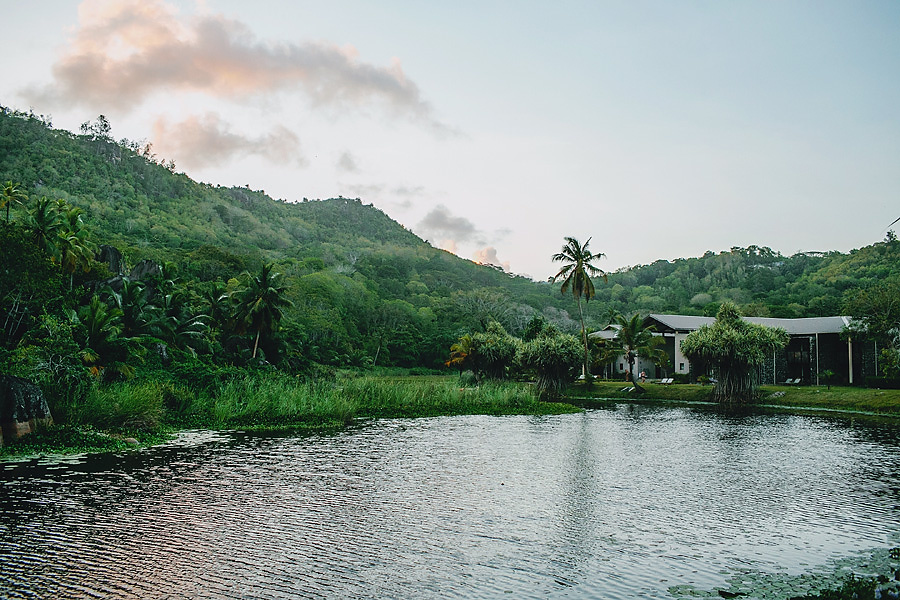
128, 406
282, 402
275, 401
429, 397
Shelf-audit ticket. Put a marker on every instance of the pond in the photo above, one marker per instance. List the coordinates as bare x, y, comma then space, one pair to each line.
633, 501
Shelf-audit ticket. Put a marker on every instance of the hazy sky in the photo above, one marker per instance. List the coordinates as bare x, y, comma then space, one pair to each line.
494, 129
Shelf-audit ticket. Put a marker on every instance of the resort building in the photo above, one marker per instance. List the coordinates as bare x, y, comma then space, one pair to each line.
816, 345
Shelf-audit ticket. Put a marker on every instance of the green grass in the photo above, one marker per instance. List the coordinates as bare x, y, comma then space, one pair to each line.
851, 399
122, 407
278, 402
601, 390
429, 396
146, 410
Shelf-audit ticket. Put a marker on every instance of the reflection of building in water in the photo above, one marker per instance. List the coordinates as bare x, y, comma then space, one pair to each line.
816, 345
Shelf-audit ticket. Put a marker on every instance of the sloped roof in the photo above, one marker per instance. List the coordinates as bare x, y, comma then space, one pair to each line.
607, 333
806, 326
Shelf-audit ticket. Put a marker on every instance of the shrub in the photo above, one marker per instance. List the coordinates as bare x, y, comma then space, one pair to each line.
555, 358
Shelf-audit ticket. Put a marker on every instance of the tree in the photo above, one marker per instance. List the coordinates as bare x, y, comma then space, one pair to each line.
877, 309
554, 357
576, 275
635, 340
260, 303
876, 314
735, 349
44, 223
74, 247
460, 353
488, 354
12, 194
105, 349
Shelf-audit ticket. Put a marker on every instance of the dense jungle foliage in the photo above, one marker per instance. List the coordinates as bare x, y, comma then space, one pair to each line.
115, 262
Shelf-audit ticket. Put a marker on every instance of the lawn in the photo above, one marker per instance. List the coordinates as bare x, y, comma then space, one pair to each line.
855, 399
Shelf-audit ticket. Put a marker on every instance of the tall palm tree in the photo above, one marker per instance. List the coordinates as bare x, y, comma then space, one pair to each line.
260, 303
576, 275
635, 340
12, 194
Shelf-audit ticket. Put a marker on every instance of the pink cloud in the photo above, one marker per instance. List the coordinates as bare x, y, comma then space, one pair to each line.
125, 51
207, 140
488, 256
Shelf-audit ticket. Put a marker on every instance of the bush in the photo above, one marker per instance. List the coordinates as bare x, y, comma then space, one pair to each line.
555, 358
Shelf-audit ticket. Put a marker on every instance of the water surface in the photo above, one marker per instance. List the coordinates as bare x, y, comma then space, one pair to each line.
619, 503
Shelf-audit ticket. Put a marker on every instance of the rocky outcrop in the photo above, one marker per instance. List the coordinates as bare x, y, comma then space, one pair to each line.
111, 256
145, 268
22, 408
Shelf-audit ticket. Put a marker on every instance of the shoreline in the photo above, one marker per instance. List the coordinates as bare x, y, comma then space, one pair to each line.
429, 396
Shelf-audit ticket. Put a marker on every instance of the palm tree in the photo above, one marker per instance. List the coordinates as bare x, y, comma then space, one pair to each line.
74, 247
634, 340
45, 223
460, 353
576, 275
12, 193
260, 303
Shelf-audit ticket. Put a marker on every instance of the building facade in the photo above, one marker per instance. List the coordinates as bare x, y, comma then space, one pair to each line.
816, 345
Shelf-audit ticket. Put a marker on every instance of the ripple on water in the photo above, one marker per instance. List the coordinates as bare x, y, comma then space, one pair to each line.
627, 502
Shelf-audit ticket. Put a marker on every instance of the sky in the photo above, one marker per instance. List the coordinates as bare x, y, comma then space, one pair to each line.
656, 129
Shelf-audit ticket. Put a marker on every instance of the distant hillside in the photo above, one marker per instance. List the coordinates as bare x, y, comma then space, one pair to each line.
348, 263
761, 281
352, 269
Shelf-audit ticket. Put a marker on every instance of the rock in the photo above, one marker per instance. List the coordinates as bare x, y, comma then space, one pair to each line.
143, 269
131, 441
111, 256
23, 408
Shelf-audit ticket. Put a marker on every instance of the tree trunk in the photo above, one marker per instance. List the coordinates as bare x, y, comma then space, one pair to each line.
256, 342
637, 386
586, 367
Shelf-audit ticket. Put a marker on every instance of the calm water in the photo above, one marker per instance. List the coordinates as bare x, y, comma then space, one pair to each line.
618, 503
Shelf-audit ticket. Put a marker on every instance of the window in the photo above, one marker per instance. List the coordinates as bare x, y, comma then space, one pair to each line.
681, 366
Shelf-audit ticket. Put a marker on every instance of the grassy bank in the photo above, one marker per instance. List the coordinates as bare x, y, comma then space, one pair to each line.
143, 412
851, 399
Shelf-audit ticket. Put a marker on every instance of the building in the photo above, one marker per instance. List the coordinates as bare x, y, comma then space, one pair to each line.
816, 345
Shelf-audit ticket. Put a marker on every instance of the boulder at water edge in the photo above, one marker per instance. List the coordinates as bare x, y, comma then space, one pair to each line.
22, 408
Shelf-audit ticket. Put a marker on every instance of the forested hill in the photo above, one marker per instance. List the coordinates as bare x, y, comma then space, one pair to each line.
762, 282
353, 272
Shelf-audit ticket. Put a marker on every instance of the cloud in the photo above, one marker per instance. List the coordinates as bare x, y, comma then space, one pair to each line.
125, 51
347, 163
488, 256
204, 141
442, 223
